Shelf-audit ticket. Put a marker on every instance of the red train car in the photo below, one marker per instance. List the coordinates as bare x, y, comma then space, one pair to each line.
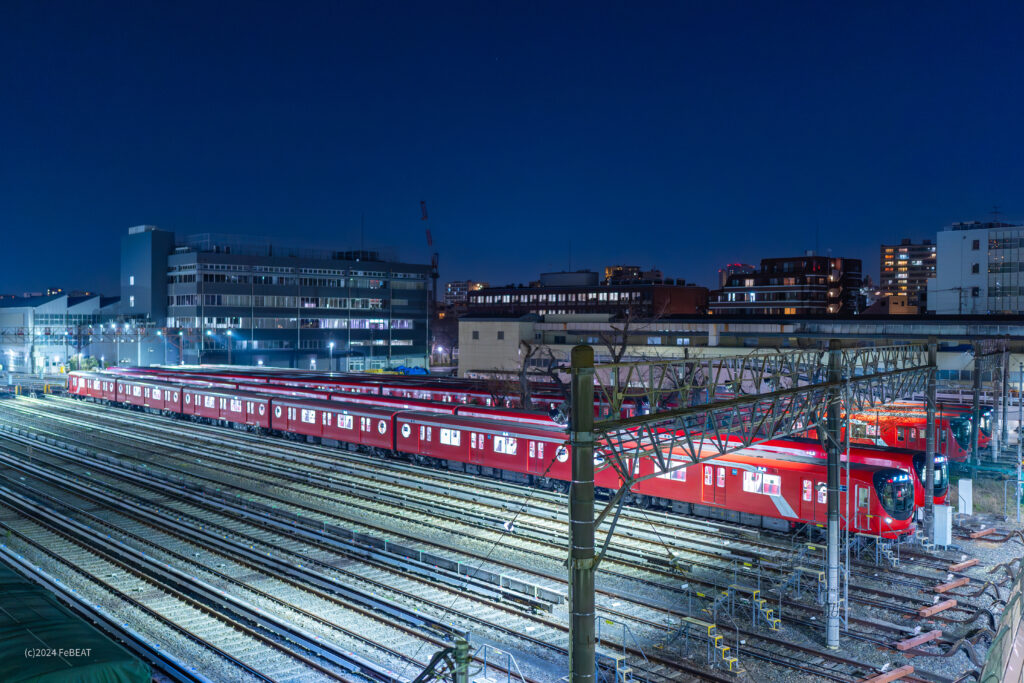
905, 426
907, 460
92, 385
349, 423
783, 491
238, 407
147, 393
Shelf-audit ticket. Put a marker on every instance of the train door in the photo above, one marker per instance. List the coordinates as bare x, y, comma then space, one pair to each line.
707, 489
713, 488
863, 513
476, 447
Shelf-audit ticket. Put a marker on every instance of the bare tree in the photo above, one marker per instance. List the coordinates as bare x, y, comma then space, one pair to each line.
552, 368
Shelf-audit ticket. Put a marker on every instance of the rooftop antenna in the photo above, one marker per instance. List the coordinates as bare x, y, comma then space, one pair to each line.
996, 213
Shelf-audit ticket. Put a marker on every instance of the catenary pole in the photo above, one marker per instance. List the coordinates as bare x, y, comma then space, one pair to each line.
581, 518
832, 445
1020, 431
929, 458
976, 409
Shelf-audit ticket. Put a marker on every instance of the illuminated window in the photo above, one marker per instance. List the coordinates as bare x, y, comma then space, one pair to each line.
808, 490
752, 482
822, 493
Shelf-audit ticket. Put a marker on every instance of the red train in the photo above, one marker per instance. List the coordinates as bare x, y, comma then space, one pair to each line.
904, 425
780, 491
883, 456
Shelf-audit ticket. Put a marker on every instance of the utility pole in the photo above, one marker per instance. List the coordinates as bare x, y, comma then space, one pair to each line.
929, 458
976, 411
581, 518
832, 447
1005, 375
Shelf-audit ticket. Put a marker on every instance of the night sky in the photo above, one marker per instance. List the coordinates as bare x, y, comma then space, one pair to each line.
681, 135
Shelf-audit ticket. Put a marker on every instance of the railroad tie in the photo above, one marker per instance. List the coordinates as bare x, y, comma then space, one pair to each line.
918, 640
888, 676
950, 585
959, 567
931, 610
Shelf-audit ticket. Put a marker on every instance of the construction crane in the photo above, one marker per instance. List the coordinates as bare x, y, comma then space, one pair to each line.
433, 258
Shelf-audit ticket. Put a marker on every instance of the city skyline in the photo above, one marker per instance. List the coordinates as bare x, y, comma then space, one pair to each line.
714, 134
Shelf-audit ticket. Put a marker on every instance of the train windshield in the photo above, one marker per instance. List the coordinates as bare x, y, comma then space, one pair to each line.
895, 491
941, 483
986, 422
961, 428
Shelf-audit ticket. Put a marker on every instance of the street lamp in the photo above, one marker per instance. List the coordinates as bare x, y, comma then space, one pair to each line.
330, 349
160, 333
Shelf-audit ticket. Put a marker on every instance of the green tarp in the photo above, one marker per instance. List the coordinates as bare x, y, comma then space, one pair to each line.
42, 641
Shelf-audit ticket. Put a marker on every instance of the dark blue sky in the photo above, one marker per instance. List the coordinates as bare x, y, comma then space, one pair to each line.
681, 135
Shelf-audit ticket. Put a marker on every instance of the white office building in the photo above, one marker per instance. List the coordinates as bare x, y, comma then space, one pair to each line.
979, 270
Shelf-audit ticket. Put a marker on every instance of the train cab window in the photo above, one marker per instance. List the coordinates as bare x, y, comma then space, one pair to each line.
808, 490
895, 491
709, 475
862, 496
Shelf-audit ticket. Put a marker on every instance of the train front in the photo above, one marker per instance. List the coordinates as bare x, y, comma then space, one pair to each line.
893, 515
941, 480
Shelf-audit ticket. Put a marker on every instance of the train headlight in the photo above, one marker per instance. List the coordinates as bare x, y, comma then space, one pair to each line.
888, 520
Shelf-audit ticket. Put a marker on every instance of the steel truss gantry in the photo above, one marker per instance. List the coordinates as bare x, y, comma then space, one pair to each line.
702, 409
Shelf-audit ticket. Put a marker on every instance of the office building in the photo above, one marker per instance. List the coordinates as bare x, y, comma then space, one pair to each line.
567, 293
905, 268
232, 299
803, 285
979, 270
456, 293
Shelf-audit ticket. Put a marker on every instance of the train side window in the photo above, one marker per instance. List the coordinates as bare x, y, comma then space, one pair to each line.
913, 433
344, 422
721, 477
540, 450
862, 497
822, 493
752, 482
808, 490
772, 485
709, 475
899, 433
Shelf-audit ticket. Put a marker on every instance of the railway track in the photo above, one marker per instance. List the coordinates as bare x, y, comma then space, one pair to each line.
538, 515
267, 548
772, 560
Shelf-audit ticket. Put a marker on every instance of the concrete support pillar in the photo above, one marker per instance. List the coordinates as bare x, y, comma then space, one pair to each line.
976, 411
832, 447
581, 519
929, 462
